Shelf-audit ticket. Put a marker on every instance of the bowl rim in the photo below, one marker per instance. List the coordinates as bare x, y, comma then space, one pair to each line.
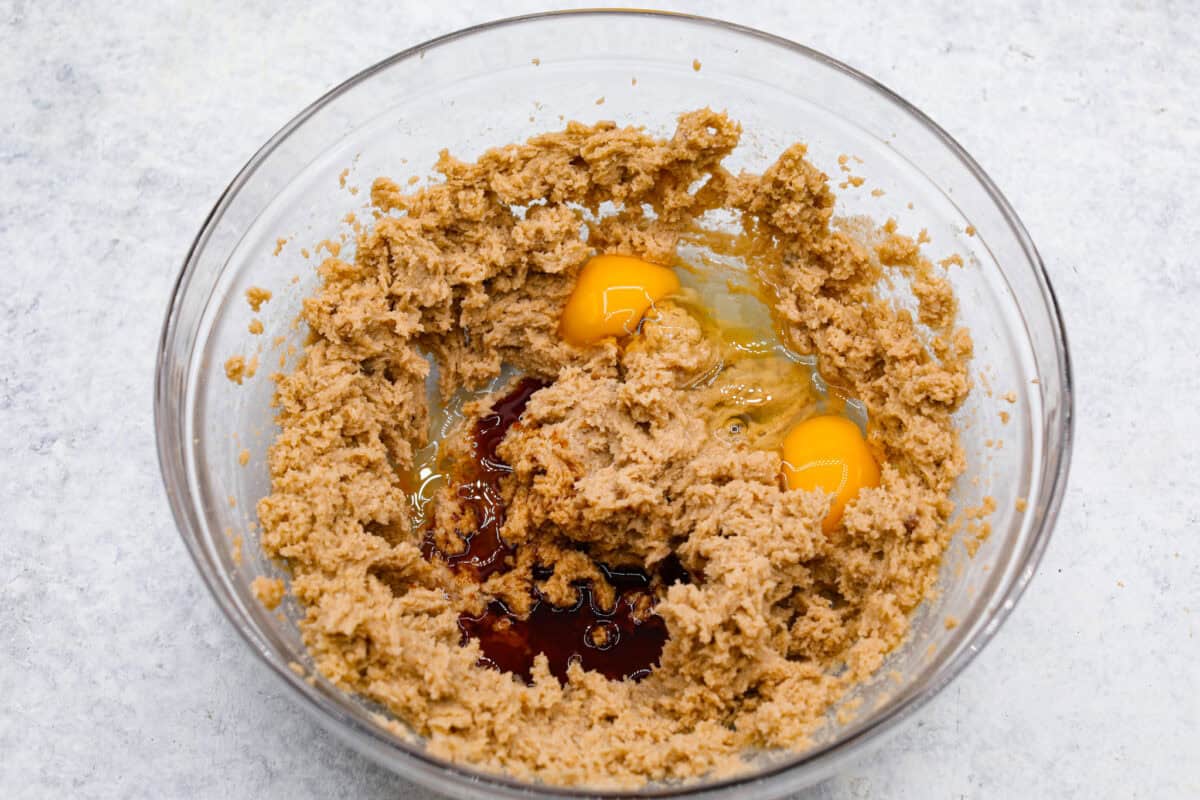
430, 768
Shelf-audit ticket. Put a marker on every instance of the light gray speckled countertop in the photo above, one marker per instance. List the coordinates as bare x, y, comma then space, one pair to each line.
122, 122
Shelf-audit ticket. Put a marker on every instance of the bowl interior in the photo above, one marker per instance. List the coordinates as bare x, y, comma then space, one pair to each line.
502, 84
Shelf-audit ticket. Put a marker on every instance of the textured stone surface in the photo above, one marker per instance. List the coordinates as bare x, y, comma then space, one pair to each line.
123, 121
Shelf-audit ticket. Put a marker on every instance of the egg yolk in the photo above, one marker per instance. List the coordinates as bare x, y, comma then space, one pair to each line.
829, 453
610, 297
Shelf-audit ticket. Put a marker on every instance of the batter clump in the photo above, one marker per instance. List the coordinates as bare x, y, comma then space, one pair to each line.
637, 452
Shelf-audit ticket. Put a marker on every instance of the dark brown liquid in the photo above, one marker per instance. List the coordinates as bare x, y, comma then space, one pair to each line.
623, 642
479, 485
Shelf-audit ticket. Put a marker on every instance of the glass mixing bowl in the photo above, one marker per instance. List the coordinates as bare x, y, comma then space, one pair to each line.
500, 83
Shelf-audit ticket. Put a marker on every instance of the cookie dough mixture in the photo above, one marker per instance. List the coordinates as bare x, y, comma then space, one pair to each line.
628, 480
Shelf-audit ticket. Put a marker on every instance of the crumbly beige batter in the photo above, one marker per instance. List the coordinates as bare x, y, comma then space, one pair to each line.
622, 458
269, 591
238, 368
256, 295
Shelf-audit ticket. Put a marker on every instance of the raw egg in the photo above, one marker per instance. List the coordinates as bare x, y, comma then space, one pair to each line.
611, 296
828, 452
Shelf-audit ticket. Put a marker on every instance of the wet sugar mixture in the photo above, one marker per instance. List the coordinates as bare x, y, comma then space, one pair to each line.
621, 641
582, 488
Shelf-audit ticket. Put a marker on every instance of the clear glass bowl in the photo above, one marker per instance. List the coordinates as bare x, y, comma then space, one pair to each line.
499, 83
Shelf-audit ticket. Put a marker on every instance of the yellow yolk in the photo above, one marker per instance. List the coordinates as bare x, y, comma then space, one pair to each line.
828, 452
610, 297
